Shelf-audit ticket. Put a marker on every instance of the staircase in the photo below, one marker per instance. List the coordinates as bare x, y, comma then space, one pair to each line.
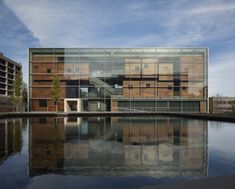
106, 89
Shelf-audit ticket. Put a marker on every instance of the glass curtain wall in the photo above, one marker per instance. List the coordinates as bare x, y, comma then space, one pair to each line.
122, 79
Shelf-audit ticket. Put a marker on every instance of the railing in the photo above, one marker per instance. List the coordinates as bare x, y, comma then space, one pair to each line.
105, 89
155, 109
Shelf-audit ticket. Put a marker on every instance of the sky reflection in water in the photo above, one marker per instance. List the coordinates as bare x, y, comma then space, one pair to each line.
112, 152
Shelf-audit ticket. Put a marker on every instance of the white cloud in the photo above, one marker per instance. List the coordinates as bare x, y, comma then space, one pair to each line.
82, 23
222, 75
213, 8
188, 25
58, 23
181, 23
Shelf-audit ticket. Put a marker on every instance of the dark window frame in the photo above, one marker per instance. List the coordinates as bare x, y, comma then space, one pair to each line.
169, 87
49, 70
43, 103
36, 68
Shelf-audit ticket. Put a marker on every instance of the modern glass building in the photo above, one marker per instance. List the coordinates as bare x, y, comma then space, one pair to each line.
119, 79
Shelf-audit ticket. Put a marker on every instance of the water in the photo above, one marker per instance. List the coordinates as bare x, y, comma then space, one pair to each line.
112, 152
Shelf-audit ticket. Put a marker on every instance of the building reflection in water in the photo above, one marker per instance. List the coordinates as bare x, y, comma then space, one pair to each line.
118, 146
10, 138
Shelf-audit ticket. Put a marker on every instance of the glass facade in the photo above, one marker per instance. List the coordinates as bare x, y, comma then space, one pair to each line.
120, 79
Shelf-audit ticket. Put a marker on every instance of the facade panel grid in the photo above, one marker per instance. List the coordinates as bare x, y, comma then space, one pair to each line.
8, 71
113, 78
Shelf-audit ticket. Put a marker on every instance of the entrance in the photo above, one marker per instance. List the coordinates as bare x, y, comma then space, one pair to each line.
72, 105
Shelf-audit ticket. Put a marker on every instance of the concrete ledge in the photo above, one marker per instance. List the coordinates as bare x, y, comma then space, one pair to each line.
213, 117
203, 116
222, 182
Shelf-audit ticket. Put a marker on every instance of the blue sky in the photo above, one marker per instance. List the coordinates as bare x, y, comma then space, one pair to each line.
124, 23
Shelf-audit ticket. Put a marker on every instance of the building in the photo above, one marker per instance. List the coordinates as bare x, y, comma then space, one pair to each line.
10, 138
119, 79
221, 104
8, 70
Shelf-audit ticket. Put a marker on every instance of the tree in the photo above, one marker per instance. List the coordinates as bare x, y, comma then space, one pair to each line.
16, 96
24, 95
56, 91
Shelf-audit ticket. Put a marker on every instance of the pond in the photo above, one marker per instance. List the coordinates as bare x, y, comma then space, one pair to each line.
112, 152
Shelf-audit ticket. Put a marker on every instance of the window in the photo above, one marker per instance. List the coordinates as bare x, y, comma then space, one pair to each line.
231, 102
36, 68
48, 70
169, 87
72, 92
10, 76
137, 68
176, 88
3, 80
130, 86
61, 59
77, 70
42, 103
147, 85
146, 65
221, 102
184, 88
10, 71
186, 69
69, 70
2, 92
10, 65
